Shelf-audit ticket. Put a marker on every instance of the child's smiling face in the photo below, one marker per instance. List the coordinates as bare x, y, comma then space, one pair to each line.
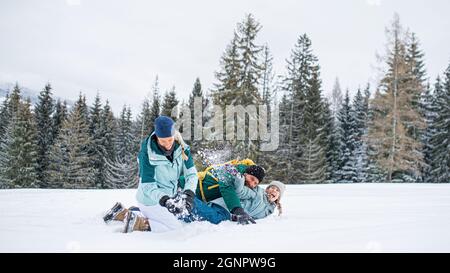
273, 193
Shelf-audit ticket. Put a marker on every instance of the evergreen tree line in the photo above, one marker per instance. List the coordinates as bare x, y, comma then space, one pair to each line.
400, 133
51, 145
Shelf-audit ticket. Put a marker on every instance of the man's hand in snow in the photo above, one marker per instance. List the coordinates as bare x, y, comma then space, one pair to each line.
239, 215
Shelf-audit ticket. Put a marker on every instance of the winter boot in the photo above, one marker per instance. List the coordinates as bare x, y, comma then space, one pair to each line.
116, 213
135, 221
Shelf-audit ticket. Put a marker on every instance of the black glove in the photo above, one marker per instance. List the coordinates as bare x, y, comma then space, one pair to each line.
180, 204
239, 215
189, 199
171, 204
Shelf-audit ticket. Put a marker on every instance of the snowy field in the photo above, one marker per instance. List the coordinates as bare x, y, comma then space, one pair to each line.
316, 218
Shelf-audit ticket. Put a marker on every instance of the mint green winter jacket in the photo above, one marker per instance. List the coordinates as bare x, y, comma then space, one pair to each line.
253, 201
158, 176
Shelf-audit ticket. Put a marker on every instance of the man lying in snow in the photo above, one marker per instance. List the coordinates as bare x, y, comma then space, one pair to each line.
258, 202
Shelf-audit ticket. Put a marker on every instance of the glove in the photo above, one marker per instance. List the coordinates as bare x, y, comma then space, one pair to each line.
172, 204
180, 204
239, 215
188, 197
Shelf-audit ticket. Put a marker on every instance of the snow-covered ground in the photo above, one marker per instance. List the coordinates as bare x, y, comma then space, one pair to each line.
316, 218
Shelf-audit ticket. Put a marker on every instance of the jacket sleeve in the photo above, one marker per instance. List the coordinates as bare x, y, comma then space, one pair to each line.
242, 191
189, 172
227, 189
149, 185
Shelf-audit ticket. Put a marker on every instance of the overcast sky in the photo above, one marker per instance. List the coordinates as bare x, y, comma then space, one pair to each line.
118, 47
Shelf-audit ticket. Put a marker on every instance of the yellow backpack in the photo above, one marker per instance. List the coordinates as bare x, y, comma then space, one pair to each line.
202, 175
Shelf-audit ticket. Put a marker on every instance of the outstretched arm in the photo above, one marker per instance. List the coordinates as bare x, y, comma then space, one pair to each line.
242, 191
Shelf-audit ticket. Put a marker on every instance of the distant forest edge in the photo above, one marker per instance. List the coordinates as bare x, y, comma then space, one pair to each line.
397, 131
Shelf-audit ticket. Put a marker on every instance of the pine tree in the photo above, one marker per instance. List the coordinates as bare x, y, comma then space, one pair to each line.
199, 120
313, 136
124, 140
251, 65
4, 116
144, 121
170, 104
428, 109
70, 164
331, 143
150, 111
228, 76
440, 140
296, 84
19, 150
346, 143
397, 115
239, 79
59, 116
14, 100
43, 115
336, 98
360, 111
96, 146
122, 171
268, 76
108, 128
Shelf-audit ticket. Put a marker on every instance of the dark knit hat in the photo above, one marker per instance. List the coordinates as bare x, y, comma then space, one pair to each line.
256, 171
164, 127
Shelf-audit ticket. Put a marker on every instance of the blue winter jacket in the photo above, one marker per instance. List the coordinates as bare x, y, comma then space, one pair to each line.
253, 201
158, 176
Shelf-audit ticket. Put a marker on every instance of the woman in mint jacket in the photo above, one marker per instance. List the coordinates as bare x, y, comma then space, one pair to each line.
163, 158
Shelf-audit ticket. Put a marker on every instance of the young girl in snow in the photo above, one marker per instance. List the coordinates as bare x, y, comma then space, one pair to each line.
257, 202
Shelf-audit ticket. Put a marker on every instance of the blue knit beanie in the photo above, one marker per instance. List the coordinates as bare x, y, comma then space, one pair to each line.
164, 127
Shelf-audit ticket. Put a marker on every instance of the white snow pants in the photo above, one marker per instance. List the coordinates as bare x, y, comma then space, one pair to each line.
160, 218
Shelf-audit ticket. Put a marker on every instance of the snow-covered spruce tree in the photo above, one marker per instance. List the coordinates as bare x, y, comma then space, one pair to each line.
198, 122
360, 111
4, 116
170, 102
376, 174
313, 136
331, 144
346, 143
239, 80
397, 115
70, 164
151, 109
269, 88
267, 79
10, 110
416, 66
144, 122
107, 140
124, 136
44, 137
20, 150
96, 146
228, 75
283, 168
428, 109
440, 140
122, 172
296, 84
336, 99
14, 100
59, 116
